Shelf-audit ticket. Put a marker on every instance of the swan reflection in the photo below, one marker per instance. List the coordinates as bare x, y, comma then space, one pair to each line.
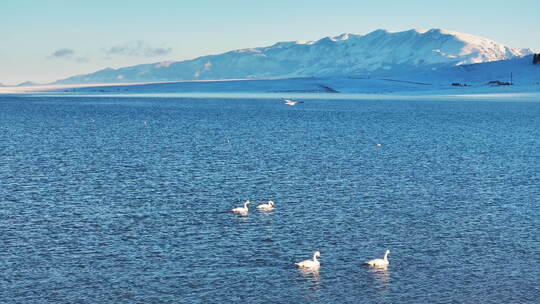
312, 275
381, 276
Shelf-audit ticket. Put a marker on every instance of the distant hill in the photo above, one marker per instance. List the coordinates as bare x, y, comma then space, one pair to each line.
27, 84
378, 53
464, 79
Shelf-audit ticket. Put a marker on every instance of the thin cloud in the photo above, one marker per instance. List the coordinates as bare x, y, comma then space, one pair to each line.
137, 49
82, 59
68, 54
62, 53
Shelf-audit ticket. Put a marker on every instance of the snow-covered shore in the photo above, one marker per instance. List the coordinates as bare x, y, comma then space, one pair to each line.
295, 87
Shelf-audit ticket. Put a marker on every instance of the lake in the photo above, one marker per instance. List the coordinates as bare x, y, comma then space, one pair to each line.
125, 200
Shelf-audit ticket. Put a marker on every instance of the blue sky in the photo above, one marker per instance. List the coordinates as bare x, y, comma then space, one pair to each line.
43, 41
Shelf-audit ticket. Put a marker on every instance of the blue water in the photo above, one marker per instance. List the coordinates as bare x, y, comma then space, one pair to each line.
125, 200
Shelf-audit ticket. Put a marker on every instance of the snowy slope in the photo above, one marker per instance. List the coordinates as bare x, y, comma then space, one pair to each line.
377, 53
518, 70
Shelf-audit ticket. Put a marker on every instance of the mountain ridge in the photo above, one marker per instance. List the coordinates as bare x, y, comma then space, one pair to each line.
380, 52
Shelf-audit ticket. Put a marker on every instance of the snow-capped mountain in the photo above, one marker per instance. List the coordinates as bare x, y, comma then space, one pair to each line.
378, 53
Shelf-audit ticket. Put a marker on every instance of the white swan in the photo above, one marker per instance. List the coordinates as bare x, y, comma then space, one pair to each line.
290, 102
266, 207
310, 264
242, 210
379, 263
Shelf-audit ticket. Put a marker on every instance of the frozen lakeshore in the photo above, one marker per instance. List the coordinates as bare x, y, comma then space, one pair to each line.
328, 88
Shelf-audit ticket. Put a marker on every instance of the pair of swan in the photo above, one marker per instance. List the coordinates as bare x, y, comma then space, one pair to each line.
314, 263
244, 210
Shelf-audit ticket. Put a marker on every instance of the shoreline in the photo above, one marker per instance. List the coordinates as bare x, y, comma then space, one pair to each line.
306, 88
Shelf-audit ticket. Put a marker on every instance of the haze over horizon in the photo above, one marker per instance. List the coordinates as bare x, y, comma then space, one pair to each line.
44, 42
